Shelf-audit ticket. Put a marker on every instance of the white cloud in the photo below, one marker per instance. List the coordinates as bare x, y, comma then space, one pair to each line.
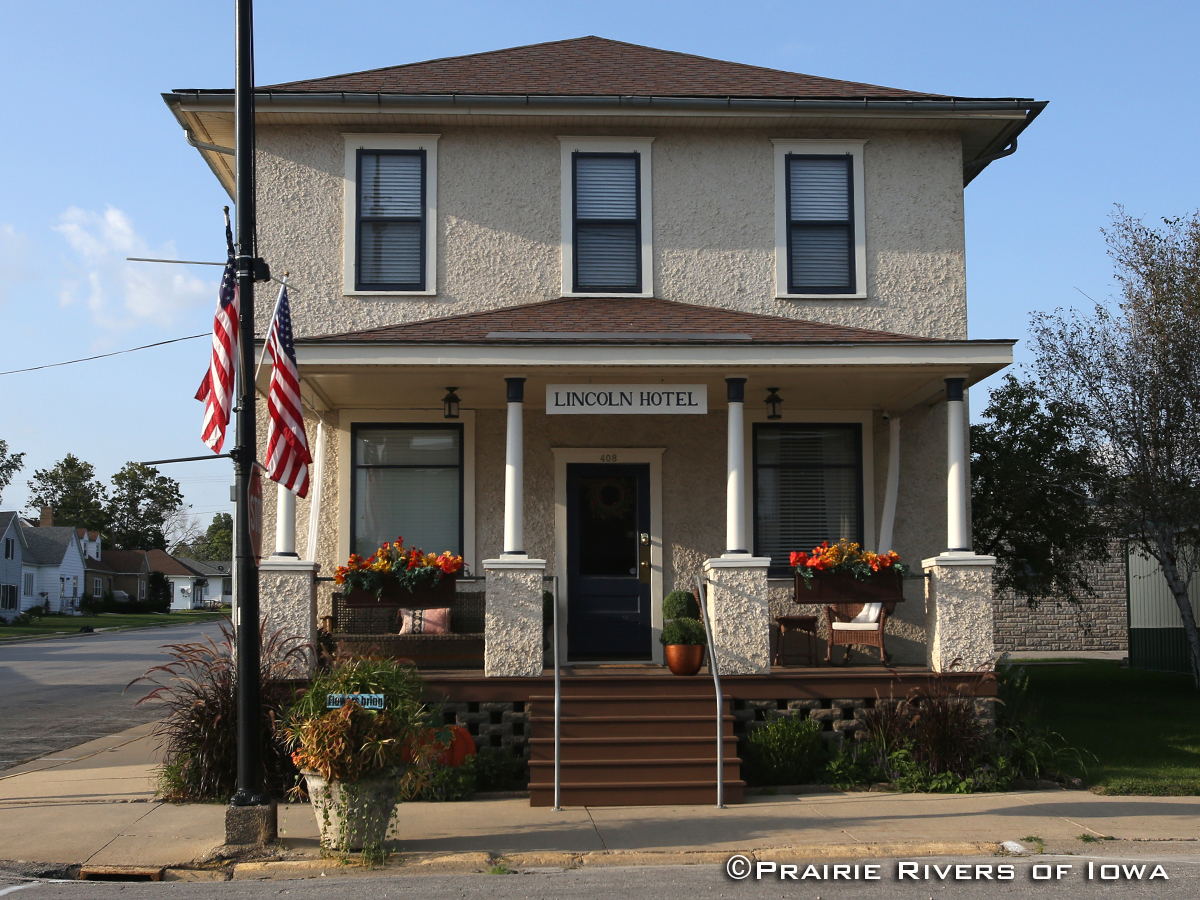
119, 294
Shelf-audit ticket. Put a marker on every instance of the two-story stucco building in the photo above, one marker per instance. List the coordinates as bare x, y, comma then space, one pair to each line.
695, 315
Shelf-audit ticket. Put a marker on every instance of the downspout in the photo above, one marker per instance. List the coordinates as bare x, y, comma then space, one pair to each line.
887, 525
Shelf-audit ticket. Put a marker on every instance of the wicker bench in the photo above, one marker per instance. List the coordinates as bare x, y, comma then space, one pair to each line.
373, 632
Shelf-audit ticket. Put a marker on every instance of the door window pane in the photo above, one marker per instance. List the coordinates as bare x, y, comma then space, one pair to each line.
608, 526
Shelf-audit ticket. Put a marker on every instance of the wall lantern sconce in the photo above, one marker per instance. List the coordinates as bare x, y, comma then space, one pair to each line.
450, 404
774, 404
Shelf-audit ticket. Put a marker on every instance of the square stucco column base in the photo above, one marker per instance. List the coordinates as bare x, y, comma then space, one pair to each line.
740, 613
958, 612
287, 602
513, 626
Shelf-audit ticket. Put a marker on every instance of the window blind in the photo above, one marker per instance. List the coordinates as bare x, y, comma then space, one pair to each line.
820, 225
407, 482
607, 222
808, 483
391, 230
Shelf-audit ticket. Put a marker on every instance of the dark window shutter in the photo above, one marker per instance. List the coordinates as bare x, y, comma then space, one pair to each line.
820, 211
607, 222
391, 220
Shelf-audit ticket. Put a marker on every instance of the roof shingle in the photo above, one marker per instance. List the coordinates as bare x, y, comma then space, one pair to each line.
619, 320
595, 66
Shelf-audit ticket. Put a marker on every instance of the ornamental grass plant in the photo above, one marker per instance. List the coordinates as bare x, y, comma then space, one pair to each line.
198, 735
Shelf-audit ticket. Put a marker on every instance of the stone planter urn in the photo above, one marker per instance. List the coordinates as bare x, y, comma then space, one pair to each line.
354, 816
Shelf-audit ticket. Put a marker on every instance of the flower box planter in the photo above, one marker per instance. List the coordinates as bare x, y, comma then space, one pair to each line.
842, 587
425, 597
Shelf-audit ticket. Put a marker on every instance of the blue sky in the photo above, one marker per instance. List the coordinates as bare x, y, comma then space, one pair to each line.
96, 168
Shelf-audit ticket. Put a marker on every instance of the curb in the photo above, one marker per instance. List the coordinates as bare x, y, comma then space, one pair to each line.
470, 863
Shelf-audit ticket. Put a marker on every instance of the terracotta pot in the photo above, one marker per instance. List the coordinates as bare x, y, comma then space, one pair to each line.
684, 659
367, 805
436, 597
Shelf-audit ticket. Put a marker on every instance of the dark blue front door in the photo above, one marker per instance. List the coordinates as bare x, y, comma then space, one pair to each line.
608, 604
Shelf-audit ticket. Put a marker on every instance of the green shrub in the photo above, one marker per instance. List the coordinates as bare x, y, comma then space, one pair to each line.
683, 631
443, 783
498, 769
680, 605
785, 751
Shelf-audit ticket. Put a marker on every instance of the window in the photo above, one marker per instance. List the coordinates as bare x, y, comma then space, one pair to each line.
606, 236
807, 488
820, 209
391, 211
96, 591
141, 589
62, 587
28, 584
407, 480
75, 586
10, 548
8, 596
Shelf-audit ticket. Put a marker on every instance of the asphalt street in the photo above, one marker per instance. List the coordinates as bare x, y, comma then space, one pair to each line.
680, 883
60, 692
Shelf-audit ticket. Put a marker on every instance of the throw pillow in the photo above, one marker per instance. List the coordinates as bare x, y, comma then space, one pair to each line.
425, 621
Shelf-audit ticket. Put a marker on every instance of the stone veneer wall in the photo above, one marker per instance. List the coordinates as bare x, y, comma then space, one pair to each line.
497, 723
1098, 623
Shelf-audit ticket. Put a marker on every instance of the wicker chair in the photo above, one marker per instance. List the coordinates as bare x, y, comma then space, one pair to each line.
844, 631
374, 632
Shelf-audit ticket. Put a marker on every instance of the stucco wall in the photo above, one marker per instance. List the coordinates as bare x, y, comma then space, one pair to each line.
499, 225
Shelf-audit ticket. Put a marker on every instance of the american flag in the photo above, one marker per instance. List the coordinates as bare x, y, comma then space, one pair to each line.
288, 458
216, 391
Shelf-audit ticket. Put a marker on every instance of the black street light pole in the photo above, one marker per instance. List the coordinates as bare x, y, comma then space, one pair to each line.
249, 782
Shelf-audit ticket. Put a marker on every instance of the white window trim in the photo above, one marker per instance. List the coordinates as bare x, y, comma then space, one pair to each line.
570, 144
356, 142
863, 417
350, 417
855, 150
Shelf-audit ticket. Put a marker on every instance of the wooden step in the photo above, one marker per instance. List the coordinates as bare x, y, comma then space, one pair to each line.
542, 748
637, 686
618, 727
602, 705
693, 793
661, 772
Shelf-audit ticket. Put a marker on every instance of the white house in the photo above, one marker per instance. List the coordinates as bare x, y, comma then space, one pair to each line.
12, 575
53, 569
188, 586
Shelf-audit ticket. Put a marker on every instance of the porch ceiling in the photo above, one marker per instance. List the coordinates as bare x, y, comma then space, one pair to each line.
890, 388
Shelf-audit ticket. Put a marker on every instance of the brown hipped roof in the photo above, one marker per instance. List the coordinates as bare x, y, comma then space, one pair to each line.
161, 561
623, 320
595, 66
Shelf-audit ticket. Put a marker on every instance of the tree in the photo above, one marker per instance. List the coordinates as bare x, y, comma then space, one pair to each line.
72, 489
1033, 486
10, 465
142, 502
1132, 373
182, 530
216, 543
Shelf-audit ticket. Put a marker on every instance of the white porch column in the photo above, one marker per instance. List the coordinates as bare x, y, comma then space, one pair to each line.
735, 485
958, 537
887, 523
314, 497
285, 522
514, 471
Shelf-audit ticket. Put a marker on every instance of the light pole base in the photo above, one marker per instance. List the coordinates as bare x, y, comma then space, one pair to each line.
253, 826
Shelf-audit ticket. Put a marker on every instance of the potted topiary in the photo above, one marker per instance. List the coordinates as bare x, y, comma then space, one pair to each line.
683, 635
355, 733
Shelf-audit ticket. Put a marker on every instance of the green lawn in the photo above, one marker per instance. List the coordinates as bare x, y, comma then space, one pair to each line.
49, 625
1142, 727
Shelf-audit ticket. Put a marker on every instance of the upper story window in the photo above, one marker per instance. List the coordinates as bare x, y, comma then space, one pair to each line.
10, 548
606, 233
819, 207
391, 213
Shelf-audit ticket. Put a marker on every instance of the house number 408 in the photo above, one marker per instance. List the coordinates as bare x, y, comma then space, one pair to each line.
608, 457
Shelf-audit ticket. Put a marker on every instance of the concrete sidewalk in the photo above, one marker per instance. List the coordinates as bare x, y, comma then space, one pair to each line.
94, 805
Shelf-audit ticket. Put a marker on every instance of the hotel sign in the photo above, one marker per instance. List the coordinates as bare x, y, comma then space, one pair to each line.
627, 399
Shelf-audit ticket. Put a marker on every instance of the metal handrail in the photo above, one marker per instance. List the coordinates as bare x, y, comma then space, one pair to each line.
553, 579
701, 593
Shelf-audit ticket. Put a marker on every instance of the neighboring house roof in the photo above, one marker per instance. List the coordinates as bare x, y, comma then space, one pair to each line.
161, 561
48, 545
120, 562
214, 568
595, 66
623, 320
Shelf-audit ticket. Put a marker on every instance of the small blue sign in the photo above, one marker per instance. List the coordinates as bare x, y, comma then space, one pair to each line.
366, 701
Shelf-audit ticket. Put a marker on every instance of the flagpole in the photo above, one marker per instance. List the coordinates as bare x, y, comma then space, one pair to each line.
249, 700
